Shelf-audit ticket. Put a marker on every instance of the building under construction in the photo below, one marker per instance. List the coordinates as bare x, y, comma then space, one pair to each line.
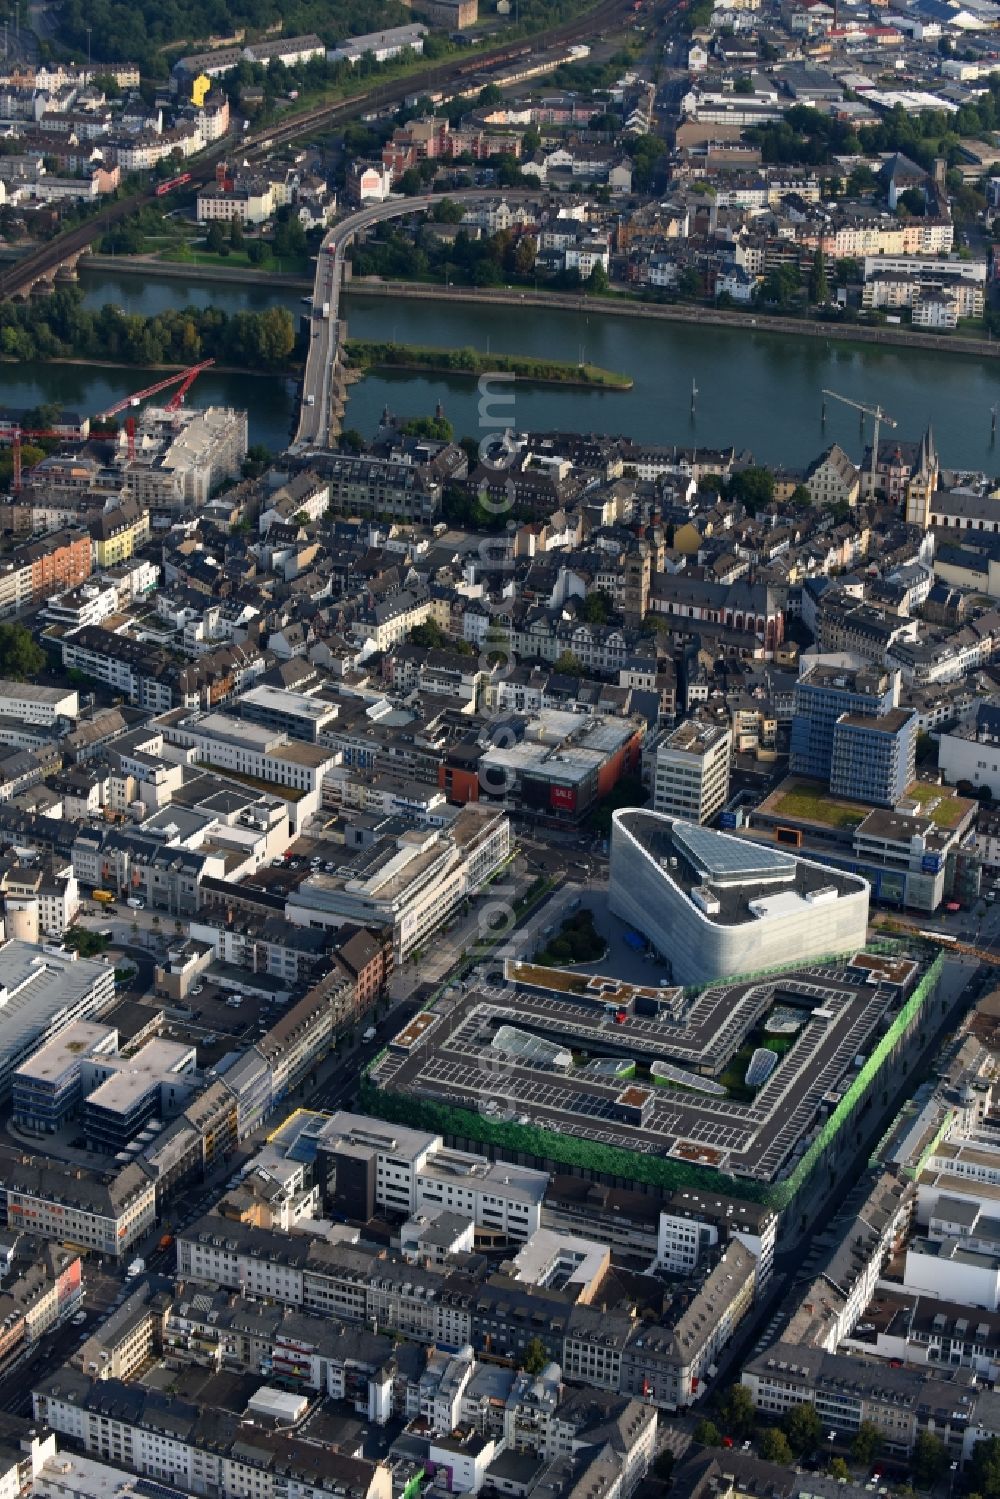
180, 457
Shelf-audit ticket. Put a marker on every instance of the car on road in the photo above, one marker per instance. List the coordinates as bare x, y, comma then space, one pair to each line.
79, 1319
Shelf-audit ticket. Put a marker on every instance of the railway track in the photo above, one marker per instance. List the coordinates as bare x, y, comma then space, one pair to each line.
40, 263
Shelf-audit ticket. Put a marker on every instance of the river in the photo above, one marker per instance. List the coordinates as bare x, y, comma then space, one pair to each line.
761, 391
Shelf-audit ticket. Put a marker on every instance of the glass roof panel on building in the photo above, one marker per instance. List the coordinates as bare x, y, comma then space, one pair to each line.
725, 859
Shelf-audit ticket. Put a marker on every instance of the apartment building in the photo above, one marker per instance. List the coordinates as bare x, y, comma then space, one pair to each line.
249, 200
106, 1214
36, 570
182, 457
670, 1365
305, 1032
174, 1442
846, 1391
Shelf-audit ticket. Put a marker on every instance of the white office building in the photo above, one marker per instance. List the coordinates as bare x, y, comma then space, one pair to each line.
692, 771
30, 703
715, 906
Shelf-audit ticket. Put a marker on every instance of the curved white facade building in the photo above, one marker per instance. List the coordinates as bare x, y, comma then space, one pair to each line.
715, 906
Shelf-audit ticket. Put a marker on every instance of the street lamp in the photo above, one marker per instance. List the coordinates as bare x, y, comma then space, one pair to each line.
951, 1479
831, 1437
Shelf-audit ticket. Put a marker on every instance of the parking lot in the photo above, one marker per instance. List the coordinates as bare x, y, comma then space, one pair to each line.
216, 1024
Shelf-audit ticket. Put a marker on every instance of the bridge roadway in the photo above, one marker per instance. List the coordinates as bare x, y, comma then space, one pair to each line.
322, 390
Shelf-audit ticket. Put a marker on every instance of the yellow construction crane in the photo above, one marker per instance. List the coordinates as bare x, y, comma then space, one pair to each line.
878, 416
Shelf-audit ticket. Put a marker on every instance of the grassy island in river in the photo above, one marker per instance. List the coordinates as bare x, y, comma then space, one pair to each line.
363, 354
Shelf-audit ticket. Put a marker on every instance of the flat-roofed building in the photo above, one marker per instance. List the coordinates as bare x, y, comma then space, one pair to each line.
248, 749
46, 1088
691, 778
560, 764
293, 713
122, 1095
410, 881
874, 759
37, 705
41, 992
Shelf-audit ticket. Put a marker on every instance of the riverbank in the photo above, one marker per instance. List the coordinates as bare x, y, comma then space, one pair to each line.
363, 354
290, 372
179, 270
676, 312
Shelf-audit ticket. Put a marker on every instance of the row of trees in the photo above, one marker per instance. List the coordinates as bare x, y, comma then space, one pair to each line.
62, 327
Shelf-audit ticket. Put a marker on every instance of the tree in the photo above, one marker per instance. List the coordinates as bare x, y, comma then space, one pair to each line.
913, 201
707, 1433
448, 212
20, 658
930, 1459
664, 1465
597, 281
867, 1444
862, 180
430, 635
803, 1428
215, 239
569, 665
597, 608
780, 285
524, 255
819, 291
536, 1356
410, 183
838, 1469
689, 282
436, 428
739, 1412
351, 441
774, 1446
236, 235
800, 498
257, 459
753, 485
983, 1471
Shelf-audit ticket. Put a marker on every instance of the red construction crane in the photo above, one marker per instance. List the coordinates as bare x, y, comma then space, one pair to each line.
184, 379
